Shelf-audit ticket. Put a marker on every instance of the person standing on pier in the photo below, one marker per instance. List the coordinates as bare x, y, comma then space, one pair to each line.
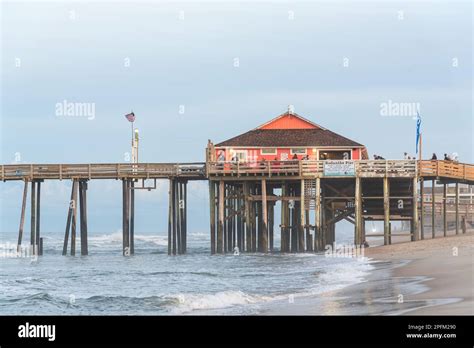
434, 157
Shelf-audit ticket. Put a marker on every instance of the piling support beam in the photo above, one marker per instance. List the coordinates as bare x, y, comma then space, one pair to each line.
132, 217
422, 210
433, 208
414, 227
38, 218
247, 225
220, 226
386, 209
33, 218
170, 216
125, 217
456, 187
318, 243
445, 210
22, 216
83, 216
264, 218
212, 210
358, 210
68, 221
75, 187
301, 231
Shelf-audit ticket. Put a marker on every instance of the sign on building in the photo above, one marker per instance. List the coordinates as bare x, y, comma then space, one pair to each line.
339, 168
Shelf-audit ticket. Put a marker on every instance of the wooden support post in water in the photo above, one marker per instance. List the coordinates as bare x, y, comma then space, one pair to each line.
456, 187
445, 211
220, 226
414, 220
318, 242
22, 216
75, 187
178, 216
212, 209
33, 218
170, 216
69, 218
422, 210
132, 217
271, 224
185, 217
283, 221
247, 225
463, 224
433, 208
254, 221
125, 217
38, 218
264, 218
358, 210
302, 217
83, 216
386, 209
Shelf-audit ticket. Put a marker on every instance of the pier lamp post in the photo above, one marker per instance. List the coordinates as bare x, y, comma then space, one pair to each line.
135, 146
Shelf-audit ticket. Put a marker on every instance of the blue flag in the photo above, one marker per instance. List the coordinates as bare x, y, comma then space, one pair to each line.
418, 127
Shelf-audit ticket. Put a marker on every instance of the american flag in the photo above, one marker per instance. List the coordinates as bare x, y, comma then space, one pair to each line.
130, 117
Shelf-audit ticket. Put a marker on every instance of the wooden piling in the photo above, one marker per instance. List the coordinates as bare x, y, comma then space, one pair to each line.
386, 209
75, 187
422, 210
414, 220
185, 217
247, 225
178, 216
456, 187
358, 211
38, 217
125, 217
132, 217
302, 219
170, 216
433, 208
271, 225
22, 216
445, 210
318, 242
463, 224
264, 217
220, 226
33, 218
68, 221
83, 216
212, 209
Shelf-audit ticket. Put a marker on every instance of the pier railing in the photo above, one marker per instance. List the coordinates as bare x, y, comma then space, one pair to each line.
102, 171
362, 168
446, 169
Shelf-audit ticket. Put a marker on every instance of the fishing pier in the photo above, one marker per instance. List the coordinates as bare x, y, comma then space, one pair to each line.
318, 178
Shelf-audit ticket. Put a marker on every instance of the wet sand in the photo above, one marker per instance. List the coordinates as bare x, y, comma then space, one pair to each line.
447, 263
427, 277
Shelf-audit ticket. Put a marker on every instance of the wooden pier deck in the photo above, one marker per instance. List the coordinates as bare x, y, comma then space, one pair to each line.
440, 170
314, 196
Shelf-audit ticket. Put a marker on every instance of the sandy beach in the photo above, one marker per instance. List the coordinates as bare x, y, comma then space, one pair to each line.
446, 262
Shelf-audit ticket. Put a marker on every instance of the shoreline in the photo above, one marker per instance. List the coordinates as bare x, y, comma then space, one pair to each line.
445, 266
424, 275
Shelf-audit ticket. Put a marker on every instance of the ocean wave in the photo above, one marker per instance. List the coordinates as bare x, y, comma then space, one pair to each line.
185, 303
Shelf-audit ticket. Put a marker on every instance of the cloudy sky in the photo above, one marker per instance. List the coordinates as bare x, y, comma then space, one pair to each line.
193, 71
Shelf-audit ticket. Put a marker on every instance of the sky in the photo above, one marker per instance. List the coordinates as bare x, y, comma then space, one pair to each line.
193, 71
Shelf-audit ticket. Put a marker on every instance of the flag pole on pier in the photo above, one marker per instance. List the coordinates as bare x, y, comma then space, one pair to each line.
418, 135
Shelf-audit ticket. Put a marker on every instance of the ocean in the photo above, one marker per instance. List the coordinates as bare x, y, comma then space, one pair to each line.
153, 283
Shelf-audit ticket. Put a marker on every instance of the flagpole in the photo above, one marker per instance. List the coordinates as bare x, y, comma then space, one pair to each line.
421, 147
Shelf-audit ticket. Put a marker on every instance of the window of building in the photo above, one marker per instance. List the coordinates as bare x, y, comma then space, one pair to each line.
298, 151
268, 151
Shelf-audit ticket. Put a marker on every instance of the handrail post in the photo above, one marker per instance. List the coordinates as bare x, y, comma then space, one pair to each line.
238, 168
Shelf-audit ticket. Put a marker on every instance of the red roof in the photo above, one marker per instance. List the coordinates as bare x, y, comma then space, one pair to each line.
288, 130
